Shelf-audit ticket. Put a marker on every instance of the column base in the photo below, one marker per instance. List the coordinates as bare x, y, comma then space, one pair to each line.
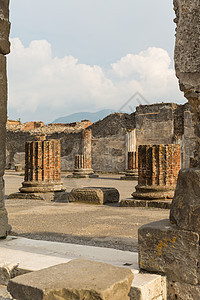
4, 227
41, 187
130, 175
130, 202
51, 196
83, 173
153, 192
47, 191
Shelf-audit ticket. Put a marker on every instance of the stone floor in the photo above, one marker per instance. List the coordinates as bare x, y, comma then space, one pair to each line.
104, 226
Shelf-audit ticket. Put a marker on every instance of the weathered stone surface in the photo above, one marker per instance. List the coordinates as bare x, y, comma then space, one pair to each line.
153, 192
182, 291
4, 49
4, 27
3, 110
185, 207
187, 56
7, 271
164, 204
130, 175
4, 9
78, 279
83, 173
4, 295
158, 167
148, 287
165, 249
3, 222
57, 196
4, 36
94, 195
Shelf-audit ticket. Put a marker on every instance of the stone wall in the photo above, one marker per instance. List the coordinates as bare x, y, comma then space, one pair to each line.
4, 50
164, 123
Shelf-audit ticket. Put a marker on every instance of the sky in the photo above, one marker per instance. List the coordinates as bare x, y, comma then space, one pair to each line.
89, 55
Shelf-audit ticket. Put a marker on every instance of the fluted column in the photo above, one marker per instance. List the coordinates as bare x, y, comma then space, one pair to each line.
83, 161
131, 171
159, 166
79, 162
42, 166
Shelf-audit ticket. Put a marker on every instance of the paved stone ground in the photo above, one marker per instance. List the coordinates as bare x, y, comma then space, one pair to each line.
106, 226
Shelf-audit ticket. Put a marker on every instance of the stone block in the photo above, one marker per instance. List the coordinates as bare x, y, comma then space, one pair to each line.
94, 195
165, 249
3, 223
185, 207
129, 202
7, 271
3, 110
78, 279
4, 295
182, 291
4, 36
4, 9
148, 287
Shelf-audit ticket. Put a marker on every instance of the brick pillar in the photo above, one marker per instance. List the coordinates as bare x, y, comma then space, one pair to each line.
83, 162
87, 148
159, 166
42, 166
132, 160
4, 50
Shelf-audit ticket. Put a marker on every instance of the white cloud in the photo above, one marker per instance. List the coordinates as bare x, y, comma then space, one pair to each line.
41, 83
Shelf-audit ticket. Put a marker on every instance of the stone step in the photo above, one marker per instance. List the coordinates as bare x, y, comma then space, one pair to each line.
22, 255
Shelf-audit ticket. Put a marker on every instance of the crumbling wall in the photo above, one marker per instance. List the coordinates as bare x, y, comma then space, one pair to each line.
164, 123
108, 143
155, 124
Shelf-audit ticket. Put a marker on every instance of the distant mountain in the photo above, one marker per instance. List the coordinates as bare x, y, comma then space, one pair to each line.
77, 117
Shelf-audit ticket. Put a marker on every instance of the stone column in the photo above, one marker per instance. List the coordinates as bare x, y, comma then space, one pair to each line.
87, 148
131, 172
42, 167
42, 171
83, 162
79, 162
4, 49
159, 166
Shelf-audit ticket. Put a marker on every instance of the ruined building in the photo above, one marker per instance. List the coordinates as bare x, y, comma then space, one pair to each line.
112, 137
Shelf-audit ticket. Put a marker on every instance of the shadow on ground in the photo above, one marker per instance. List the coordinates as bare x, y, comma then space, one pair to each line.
119, 243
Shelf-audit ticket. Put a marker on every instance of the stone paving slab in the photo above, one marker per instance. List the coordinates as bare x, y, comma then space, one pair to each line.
32, 255
78, 279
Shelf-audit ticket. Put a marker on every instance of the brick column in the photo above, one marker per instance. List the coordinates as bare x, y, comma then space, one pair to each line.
132, 161
83, 161
4, 49
159, 166
42, 167
87, 148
